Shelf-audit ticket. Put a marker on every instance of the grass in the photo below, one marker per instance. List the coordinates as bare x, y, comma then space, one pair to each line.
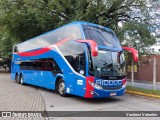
142, 90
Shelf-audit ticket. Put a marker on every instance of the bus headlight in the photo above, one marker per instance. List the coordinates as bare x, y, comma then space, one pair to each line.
124, 82
94, 85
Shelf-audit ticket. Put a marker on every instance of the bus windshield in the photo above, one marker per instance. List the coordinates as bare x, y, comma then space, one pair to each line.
107, 63
101, 36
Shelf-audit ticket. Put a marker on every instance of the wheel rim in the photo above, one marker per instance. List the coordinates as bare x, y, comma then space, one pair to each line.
21, 80
61, 88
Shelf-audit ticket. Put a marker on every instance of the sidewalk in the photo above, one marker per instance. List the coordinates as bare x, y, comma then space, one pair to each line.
16, 97
143, 85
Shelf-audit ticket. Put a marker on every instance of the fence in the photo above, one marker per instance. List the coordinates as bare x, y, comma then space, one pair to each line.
148, 70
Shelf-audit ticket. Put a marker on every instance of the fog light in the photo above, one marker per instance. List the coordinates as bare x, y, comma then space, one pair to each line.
92, 93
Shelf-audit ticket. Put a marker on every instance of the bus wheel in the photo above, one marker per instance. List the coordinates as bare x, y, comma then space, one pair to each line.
16, 78
21, 80
61, 88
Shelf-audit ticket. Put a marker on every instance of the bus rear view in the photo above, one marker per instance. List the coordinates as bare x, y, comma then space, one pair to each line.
80, 58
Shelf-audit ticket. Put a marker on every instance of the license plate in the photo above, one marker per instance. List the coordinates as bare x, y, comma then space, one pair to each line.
113, 94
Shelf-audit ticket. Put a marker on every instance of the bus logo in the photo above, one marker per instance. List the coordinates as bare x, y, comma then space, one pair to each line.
109, 82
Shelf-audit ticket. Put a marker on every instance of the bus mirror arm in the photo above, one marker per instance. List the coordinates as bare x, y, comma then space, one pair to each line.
92, 44
133, 51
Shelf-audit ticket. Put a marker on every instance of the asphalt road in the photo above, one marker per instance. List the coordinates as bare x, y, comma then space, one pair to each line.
128, 102
50, 101
54, 102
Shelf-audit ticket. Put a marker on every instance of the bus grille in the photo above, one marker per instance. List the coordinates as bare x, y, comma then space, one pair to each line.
111, 88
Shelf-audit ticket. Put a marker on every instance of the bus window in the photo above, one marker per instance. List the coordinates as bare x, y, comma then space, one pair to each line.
28, 65
73, 32
74, 52
48, 64
101, 36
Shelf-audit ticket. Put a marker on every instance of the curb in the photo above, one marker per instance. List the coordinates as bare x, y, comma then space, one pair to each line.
143, 94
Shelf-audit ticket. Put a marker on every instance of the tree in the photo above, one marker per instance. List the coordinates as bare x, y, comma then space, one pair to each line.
25, 19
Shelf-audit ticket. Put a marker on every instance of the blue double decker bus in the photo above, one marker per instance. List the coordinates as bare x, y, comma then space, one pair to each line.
80, 58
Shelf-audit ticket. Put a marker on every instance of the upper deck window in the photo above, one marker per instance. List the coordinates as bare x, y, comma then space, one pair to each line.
101, 36
71, 32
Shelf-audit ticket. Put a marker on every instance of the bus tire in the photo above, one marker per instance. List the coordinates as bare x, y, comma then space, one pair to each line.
21, 80
16, 78
61, 88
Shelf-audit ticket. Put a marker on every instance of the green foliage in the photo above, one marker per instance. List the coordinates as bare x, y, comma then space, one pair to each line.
7, 46
25, 19
138, 36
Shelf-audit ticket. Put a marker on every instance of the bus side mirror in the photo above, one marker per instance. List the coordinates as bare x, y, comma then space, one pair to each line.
133, 51
92, 44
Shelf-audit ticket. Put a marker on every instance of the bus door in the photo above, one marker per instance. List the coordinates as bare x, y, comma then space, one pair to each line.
80, 67
42, 67
48, 69
52, 75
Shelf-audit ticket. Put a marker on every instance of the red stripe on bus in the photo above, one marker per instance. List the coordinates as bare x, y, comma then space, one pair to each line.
35, 52
62, 41
89, 88
42, 50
